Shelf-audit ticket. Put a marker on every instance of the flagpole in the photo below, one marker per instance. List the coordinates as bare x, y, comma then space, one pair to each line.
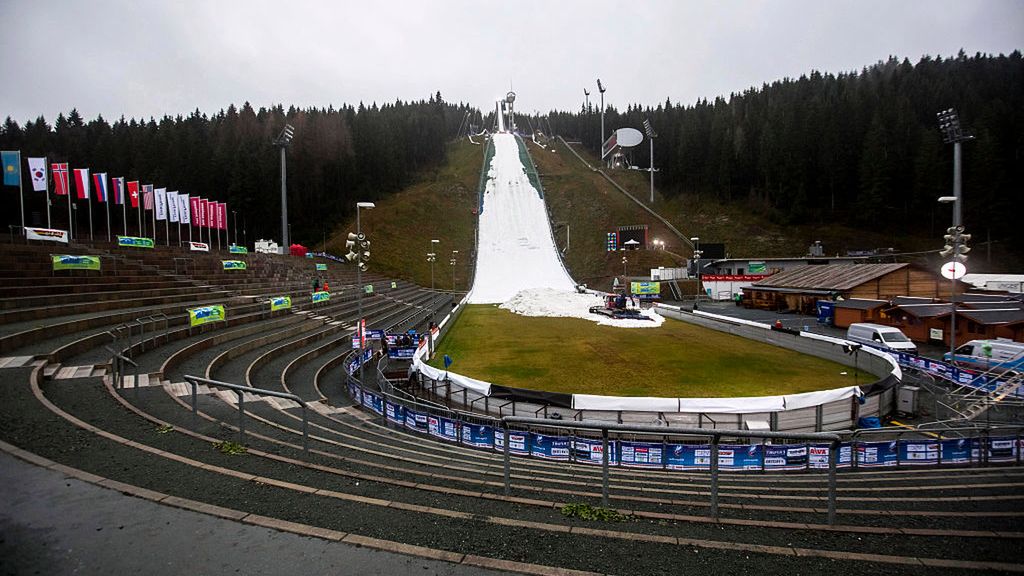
153, 192
138, 204
21, 193
67, 183
46, 166
124, 205
88, 202
107, 202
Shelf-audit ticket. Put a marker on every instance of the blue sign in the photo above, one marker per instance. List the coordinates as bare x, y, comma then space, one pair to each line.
549, 447
874, 454
640, 454
919, 452
785, 457
443, 428
1002, 449
374, 402
590, 451
958, 451
395, 413
818, 454
740, 457
519, 442
401, 353
415, 421
477, 435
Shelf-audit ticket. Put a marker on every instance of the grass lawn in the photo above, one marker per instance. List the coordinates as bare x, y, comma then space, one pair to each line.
674, 360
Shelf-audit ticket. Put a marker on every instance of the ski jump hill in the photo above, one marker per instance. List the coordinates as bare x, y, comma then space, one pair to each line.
516, 250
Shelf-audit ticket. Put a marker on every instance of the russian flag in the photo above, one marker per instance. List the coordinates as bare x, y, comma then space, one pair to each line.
118, 185
100, 180
82, 183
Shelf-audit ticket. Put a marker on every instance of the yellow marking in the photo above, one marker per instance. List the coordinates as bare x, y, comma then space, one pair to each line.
908, 427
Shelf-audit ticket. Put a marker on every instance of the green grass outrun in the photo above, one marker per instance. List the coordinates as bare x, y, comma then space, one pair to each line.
675, 360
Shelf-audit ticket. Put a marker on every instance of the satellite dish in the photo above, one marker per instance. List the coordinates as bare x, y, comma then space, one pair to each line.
953, 270
628, 137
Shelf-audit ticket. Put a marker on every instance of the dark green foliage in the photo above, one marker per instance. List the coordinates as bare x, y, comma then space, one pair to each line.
338, 157
861, 148
593, 513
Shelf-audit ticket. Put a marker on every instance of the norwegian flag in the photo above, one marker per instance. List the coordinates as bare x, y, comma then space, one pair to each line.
147, 196
61, 185
100, 181
133, 193
118, 186
82, 183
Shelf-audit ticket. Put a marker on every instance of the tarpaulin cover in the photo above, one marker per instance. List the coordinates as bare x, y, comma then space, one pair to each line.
560, 399
642, 404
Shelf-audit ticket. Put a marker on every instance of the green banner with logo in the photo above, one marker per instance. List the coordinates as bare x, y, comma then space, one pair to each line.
233, 264
238, 249
205, 314
321, 297
280, 303
368, 288
645, 288
66, 262
134, 242
321, 266
757, 268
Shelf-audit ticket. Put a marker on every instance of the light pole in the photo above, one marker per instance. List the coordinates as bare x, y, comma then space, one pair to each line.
454, 252
586, 97
696, 258
651, 135
432, 257
624, 269
601, 89
358, 252
953, 133
234, 213
282, 141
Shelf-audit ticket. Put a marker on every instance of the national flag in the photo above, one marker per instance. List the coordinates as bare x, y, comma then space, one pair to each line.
37, 169
11, 160
61, 186
184, 212
147, 196
82, 183
100, 181
133, 193
197, 211
172, 206
223, 216
161, 203
117, 184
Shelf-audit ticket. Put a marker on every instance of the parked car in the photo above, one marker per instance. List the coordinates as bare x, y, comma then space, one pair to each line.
879, 336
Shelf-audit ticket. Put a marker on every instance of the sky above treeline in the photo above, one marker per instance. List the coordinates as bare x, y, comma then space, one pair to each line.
150, 58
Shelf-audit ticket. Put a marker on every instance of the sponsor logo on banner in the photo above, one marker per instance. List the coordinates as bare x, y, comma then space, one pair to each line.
238, 249
233, 264
205, 314
134, 242
321, 296
645, 288
321, 266
65, 262
280, 303
199, 246
46, 234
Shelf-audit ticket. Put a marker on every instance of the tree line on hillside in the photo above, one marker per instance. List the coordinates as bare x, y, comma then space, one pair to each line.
860, 148
338, 157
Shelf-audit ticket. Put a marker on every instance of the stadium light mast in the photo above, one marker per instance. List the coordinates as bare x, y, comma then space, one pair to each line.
651, 135
452, 262
359, 252
953, 133
586, 98
282, 141
696, 258
432, 257
601, 89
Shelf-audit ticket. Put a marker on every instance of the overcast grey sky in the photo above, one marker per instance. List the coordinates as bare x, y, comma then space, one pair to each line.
148, 58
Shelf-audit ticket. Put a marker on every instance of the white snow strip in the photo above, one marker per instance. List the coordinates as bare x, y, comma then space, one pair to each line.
562, 304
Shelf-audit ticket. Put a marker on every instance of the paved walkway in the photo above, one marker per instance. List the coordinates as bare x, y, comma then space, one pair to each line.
52, 524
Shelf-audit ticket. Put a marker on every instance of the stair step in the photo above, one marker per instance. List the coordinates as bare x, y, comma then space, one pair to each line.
15, 361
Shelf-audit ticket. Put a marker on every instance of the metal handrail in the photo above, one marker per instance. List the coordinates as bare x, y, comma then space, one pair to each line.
117, 365
239, 390
714, 435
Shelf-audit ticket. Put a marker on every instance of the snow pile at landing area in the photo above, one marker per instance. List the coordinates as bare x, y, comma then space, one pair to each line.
563, 304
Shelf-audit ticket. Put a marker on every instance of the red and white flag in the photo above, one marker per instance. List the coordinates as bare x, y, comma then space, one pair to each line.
204, 213
196, 217
82, 183
61, 186
223, 216
133, 193
147, 196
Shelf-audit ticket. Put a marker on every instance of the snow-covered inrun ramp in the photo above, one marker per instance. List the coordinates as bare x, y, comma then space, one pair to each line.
516, 250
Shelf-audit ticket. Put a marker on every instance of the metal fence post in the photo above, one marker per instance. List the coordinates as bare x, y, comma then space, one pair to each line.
195, 406
714, 475
305, 431
833, 457
604, 467
508, 487
241, 417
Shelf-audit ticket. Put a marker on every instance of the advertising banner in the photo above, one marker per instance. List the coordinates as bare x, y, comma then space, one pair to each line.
395, 413
641, 454
443, 428
205, 314
817, 455
322, 297
785, 457
374, 402
280, 303
237, 249
321, 267
589, 451
233, 264
66, 262
959, 451
742, 456
478, 435
645, 288
549, 447
199, 246
1002, 449
919, 452
415, 421
49, 234
875, 454
519, 442
134, 242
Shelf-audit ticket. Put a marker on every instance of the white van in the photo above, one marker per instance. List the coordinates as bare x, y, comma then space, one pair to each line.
998, 355
879, 336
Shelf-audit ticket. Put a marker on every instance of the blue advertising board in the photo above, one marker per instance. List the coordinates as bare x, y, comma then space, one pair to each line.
959, 451
817, 455
416, 421
519, 442
478, 435
395, 413
740, 456
683, 457
875, 454
443, 428
374, 402
640, 454
549, 447
590, 451
919, 452
785, 457
1002, 449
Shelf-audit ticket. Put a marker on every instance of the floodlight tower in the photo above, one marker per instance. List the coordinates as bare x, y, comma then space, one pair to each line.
600, 88
953, 133
510, 98
282, 142
359, 252
453, 262
651, 135
586, 97
432, 257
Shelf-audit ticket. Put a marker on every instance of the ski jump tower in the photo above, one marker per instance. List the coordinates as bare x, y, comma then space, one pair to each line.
504, 112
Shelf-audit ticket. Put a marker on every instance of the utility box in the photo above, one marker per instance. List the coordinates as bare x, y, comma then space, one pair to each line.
906, 402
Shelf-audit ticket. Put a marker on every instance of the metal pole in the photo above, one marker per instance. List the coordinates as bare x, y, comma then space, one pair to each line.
714, 475
359, 286
601, 146
305, 431
652, 167
21, 193
241, 417
833, 456
284, 210
235, 214
46, 166
508, 487
604, 467
88, 202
